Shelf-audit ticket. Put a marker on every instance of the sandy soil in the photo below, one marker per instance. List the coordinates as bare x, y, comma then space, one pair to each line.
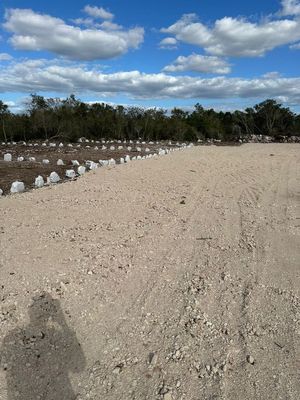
175, 278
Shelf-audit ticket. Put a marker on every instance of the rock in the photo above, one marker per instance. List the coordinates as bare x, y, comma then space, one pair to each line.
75, 163
103, 163
92, 165
81, 170
60, 162
1, 192
54, 177
39, 182
127, 158
122, 160
138, 149
20, 159
129, 148
250, 360
120, 147
32, 159
7, 157
17, 187
168, 396
45, 161
60, 145
70, 173
52, 144
112, 148
111, 162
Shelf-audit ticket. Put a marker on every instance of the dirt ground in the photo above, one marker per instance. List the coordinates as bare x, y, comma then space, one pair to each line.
175, 278
26, 171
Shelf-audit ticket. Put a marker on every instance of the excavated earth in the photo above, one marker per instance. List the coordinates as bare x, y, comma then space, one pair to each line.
170, 278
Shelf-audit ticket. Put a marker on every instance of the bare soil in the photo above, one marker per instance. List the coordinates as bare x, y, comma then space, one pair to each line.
175, 278
26, 171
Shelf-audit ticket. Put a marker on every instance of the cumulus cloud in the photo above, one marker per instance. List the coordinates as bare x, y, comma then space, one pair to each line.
42, 76
290, 7
33, 31
199, 63
169, 43
98, 12
5, 57
235, 36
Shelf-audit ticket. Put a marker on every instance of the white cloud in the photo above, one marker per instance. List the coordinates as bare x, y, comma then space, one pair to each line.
168, 43
235, 36
98, 12
33, 31
199, 63
290, 7
295, 46
5, 57
56, 76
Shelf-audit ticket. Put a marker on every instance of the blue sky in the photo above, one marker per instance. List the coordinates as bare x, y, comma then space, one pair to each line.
225, 55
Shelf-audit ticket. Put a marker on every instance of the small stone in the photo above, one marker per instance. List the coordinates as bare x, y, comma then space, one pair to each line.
250, 359
81, 170
17, 187
39, 182
70, 173
45, 161
7, 157
60, 162
54, 177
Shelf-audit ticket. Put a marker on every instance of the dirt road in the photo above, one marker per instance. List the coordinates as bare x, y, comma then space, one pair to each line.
176, 278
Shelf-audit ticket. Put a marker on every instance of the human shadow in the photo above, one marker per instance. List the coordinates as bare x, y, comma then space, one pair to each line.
38, 358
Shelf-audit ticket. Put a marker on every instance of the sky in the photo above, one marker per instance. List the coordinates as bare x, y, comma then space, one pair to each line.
225, 55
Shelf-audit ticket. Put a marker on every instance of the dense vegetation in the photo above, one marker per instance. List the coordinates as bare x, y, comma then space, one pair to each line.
69, 119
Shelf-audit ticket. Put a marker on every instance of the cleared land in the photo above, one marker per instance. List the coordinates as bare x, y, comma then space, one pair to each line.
175, 278
26, 171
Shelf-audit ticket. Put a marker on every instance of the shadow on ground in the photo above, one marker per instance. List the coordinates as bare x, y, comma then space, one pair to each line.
39, 357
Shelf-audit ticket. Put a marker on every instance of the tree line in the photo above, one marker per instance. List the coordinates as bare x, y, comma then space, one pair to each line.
69, 119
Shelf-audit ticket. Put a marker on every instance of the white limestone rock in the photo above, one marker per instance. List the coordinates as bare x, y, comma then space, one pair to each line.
127, 158
7, 157
32, 159
54, 177
122, 161
112, 161
39, 182
91, 165
61, 145
112, 148
75, 163
138, 149
45, 161
70, 173
103, 163
17, 187
20, 159
81, 170
60, 162
1, 192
